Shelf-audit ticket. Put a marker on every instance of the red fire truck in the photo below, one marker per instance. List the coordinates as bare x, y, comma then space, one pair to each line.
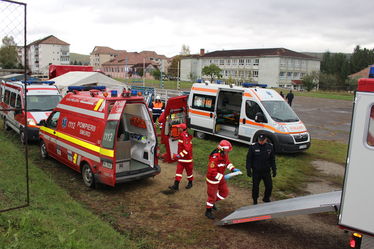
41, 98
109, 138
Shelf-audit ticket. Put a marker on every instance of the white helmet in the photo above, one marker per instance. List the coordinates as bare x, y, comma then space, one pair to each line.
158, 97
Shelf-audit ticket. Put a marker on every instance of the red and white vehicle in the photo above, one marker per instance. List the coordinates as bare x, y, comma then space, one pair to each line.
41, 98
108, 138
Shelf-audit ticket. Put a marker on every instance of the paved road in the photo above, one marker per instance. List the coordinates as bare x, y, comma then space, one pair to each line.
326, 119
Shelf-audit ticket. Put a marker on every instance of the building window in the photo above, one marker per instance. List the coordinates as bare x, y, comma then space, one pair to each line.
256, 62
241, 74
241, 62
222, 62
228, 62
283, 62
248, 61
295, 75
203, 102
255, 73
289, 74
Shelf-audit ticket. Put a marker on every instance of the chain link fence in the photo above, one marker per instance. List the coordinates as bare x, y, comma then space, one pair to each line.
14, 178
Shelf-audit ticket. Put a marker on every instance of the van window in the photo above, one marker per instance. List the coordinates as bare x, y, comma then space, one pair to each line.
203, 102
53, 120
109, 134
251, 109
18, 101
280, 111
6, 97
42, 102
13, 99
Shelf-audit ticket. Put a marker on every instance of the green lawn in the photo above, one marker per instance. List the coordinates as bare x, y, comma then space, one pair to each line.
53, 219
322, 94
294, 170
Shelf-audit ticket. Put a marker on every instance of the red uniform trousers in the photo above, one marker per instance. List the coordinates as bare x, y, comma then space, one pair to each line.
189, 169
216, 192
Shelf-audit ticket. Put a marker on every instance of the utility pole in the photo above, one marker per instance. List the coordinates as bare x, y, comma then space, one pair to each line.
126, 61
143, 72
161, 82
178, 75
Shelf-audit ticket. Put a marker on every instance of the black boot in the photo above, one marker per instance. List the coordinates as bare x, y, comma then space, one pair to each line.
209, 214
254, 201
266, 200
214, 207
189, 185
175, 187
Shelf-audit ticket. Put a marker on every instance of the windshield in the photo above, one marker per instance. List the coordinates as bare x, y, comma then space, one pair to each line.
39, 103
280, 111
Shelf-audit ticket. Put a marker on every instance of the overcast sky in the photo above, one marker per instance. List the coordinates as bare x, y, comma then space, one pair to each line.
165, 25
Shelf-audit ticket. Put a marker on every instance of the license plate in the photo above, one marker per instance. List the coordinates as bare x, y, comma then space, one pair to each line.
302, 146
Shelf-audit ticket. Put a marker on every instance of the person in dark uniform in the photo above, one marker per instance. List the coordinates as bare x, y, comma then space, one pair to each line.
260, 163
290, 97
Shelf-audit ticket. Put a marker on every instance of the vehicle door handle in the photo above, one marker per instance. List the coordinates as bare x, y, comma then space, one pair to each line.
54, 132
211, 115
243, 120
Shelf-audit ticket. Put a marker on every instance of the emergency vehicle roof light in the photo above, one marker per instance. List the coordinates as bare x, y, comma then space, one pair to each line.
113, 93
29, 82
247, 84
86, 88
371, 72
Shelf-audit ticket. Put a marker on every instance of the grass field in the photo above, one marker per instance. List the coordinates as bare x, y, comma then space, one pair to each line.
53, 219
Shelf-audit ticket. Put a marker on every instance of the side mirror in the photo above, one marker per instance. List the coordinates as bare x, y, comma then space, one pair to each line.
43, 122
260, 118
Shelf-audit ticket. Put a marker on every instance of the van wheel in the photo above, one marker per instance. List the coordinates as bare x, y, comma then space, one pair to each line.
5, 125
200, 134
88, 176
43, 150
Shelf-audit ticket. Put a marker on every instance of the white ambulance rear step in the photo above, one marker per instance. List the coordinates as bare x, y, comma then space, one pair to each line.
310, 204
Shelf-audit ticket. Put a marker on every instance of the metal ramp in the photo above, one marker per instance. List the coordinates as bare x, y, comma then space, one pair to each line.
310, 204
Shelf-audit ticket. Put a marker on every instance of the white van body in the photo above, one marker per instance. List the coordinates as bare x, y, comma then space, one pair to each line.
241, 114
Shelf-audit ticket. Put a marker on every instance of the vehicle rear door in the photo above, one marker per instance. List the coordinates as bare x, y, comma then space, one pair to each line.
108, 159
202, 111
49, 134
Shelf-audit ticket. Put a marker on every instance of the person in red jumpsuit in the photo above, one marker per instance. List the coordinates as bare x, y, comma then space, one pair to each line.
184, 157
216, 183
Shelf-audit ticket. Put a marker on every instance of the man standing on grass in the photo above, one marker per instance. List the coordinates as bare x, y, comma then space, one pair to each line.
260, 161
290, 97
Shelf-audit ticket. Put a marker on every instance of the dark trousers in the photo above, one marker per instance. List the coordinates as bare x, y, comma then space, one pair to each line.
268, 182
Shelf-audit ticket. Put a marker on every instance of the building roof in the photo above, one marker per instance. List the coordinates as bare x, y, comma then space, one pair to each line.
364, 73
258, 53
49, 40
297, 82
132, 58
106, 50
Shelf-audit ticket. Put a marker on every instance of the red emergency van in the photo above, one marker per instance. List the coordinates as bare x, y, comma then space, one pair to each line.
109, 138
41, 98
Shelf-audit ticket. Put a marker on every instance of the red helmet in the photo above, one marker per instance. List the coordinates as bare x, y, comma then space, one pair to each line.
225, 145
183, 126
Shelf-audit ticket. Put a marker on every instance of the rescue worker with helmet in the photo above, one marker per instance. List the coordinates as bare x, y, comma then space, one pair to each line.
216, 182
260, 161
184, 157
157, 108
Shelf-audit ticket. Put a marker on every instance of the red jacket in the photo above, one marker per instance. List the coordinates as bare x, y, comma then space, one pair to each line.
185, 147
217, 165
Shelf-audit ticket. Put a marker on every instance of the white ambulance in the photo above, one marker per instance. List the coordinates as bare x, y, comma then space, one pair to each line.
41, 98
242, 114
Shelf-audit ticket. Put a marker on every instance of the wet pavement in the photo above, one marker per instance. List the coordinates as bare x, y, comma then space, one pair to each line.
326, 119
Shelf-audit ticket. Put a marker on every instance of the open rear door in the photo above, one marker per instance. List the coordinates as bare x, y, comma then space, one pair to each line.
357, 210
175, 113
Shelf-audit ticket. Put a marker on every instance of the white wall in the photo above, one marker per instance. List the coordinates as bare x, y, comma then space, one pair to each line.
268, 71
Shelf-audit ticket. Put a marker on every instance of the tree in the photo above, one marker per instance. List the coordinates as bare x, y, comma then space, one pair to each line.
156, 73
8, 54
212, 70
185, 50
173, 69
310, 81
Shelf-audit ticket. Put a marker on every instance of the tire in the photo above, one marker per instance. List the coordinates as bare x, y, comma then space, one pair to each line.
5, 126
43, 150
88, 176
200, 134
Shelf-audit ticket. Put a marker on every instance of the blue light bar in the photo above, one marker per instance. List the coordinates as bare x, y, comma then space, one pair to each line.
254, 85
85, 88
30, 82
371, 72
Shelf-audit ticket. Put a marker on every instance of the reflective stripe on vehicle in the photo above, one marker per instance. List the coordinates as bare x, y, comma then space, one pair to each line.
247, 95
201, 113
81, 111
204, 89
115, 116
98, 104
270, 127
74, 149
81, 143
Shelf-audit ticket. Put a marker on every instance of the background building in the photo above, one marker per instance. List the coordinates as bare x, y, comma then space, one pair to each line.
276, 67
46, 51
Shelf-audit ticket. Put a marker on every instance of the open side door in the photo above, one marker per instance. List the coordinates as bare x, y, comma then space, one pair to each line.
175, 113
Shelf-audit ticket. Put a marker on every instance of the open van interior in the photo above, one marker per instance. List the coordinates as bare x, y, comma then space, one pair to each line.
136, 140
228, 113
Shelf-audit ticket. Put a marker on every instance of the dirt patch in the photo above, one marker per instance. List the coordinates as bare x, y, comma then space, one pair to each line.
140, 210
329, 168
